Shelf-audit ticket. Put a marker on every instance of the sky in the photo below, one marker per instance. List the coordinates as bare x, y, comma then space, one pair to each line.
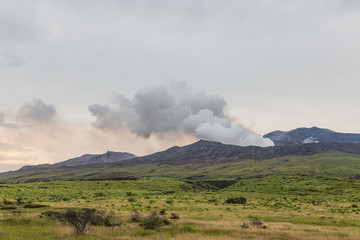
85, 76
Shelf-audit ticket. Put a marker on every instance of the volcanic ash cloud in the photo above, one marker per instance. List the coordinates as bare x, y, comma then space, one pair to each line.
175, 108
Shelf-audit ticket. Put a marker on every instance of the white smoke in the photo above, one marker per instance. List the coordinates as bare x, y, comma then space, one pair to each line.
206, 125
310, 140
175, 108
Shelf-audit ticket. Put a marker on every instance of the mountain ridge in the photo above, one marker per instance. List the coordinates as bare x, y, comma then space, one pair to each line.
86, 159
311, 135
209, 152
209, 160
201, 152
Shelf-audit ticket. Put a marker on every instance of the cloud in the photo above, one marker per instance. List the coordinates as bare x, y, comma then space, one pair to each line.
39, 135
174, 108
155, 109
13, 148
37, 112
8, 124
11, 59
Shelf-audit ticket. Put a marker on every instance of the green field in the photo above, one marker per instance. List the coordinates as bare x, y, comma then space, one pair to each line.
290, 206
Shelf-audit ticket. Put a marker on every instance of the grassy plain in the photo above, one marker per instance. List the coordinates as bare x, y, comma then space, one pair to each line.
291, 206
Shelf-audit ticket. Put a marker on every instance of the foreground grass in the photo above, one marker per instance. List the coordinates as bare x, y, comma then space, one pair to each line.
290, 206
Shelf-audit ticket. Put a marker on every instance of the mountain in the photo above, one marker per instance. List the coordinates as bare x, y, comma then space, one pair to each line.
203, 160
208, 152
311, 135
87, 159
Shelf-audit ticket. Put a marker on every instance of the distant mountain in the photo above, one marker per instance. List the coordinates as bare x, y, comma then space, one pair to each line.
87, 159
311, 135
202, 160
208, 152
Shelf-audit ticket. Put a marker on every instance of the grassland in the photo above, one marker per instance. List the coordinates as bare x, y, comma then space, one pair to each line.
291, 206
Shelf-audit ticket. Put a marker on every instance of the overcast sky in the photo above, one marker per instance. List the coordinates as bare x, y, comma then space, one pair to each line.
277, 64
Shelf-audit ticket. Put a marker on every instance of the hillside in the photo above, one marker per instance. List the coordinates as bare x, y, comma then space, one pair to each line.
311, 135
210, 160
209, 153
87, 159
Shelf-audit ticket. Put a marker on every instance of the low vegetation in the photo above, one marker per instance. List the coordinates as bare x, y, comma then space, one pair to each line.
281, 206
237, 200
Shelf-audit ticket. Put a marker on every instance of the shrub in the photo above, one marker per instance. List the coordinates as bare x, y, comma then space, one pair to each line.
169, 201
8, 208
99, 194
136, 216
30, 205
245, 225
236, 200
255, 221
169, 192
132, 199
213, 200
174, 216
108, 220
80, 219
6, 202
162, 212
154, 221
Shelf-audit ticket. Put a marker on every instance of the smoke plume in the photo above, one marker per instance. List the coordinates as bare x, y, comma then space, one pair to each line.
174, 108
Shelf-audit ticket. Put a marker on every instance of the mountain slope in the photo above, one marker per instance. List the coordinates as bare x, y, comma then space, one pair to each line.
87, 159
208, 152
208, 160
311, 135
330, 164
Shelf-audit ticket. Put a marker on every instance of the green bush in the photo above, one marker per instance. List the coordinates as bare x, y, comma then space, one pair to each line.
99, 194
80, 219
236, 200
169, 201
30, 205
108, 220
6, 202
153, 221
174, 216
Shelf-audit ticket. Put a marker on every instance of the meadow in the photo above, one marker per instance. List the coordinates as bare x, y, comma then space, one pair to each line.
287, 206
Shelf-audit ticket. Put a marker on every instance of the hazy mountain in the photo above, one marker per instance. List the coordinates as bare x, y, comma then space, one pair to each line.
203, 160
208, 152
87, 159
311, 135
